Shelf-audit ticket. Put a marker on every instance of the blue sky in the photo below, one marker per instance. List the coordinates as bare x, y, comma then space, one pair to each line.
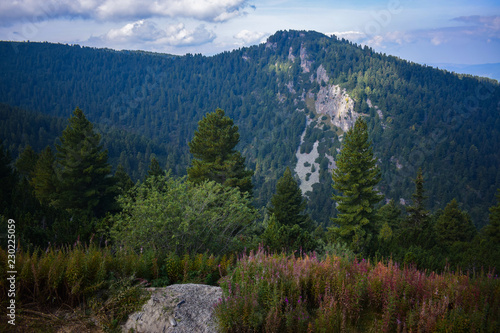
427, 32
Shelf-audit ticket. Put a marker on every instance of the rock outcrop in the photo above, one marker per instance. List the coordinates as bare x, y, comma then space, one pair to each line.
177, 308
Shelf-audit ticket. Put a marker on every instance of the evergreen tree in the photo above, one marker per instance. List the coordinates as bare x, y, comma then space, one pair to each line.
454, 225
492, 230
390, 220
44, 178
214, 155
155, 168
26, 162
355, 179
123, 180
8, 179
390, 214
85, 184
417, 215
288, 205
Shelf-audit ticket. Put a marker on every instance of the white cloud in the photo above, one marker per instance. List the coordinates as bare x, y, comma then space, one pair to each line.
135, 32
250, 37
179, 35
144, 33
41, 10
353, 36
377, 41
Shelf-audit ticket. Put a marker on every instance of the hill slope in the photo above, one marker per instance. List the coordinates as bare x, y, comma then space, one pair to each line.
292, 98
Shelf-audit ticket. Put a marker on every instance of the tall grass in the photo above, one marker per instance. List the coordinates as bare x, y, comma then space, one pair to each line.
103, 281
279, 293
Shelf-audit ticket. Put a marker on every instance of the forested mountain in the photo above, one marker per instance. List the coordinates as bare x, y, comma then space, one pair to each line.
292, 99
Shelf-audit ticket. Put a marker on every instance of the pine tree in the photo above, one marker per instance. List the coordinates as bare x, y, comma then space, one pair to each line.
454, 225
287, 204
155, 168
44, 178
85, 183
215, 157
492, 229
26, 162
355, 179
123, 180
417, 215
390, 220
8, 179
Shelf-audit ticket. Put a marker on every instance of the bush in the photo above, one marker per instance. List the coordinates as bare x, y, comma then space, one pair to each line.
177, 216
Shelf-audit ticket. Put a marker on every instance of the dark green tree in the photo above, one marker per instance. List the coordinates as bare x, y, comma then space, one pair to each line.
418, 216
8, 179
288, 227
390, 220
215, 157
25, 163
44, 178
155, 168
354, 182
454, 225
287, 204
85, 184
492, 230
123, 180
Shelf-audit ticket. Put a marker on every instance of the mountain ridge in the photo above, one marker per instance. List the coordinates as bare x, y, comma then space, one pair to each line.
418, 116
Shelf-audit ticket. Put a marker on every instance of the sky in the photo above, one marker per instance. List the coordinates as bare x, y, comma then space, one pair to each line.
433, 32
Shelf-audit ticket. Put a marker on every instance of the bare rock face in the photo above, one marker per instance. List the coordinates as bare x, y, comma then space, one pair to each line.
177, 308
335, 102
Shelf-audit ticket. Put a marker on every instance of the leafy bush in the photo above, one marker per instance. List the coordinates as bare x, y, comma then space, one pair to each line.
174, 215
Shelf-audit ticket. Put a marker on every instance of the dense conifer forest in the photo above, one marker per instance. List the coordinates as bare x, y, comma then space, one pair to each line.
171, 169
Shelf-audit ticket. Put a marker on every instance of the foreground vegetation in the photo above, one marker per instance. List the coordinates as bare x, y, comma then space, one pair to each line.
280, 293
96, 286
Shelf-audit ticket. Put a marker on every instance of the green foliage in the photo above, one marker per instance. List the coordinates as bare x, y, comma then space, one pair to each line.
7, 177
288, 205
492, 230
279, 293
390, 216
106, 283
123, 180
288, 227
355, 179
155, 169
175, 215
214, 155
85, 184
444, 121
417, 215
25, 163
279, 237
454, 225
44, 179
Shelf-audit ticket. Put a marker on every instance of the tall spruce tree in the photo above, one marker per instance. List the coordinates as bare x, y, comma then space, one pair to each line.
288, 227
155, 169
417, 214
454, 225
85, 183
354, 182
287, 204
215, 157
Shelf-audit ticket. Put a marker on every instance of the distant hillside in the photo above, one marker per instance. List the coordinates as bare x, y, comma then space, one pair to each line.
292, 98
484, 70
